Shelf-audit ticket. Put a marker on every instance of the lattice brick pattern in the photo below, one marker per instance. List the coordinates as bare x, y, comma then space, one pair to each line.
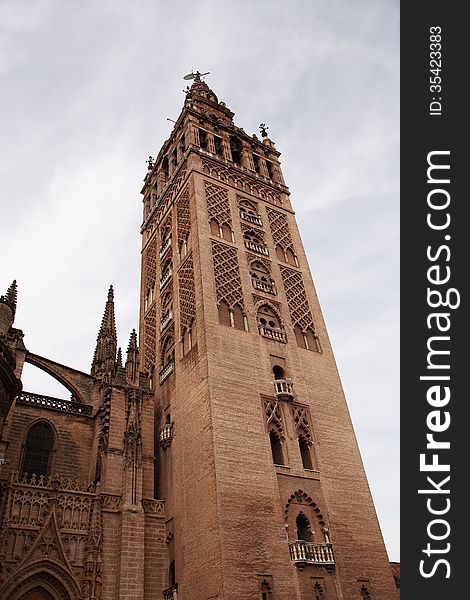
280, 229
150, 264
150, 339
218, 206
186, 294
183, 218
273, 415
297, 299
249, 185
227, 275
302, 424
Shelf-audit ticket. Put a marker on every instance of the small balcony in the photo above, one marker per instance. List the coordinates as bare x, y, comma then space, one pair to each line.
264, 286
273, 333
165, 246
167, 370
166, 435
284, 389
171, 593
166, 319
259, 248
306, 553
166, 276
251, 217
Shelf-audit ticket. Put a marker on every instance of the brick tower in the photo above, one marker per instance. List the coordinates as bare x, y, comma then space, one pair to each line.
264, 488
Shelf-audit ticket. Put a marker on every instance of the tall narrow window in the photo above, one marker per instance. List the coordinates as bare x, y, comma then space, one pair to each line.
303, 528
224, 314
218, 145
278, 372
203, 142
38, 449
305, 453
276, 448
236, 150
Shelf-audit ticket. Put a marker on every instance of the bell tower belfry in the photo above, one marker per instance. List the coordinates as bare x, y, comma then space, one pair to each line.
265, 492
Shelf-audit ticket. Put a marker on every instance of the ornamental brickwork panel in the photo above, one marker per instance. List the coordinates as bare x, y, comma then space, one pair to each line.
280, 229
150, 264
218, 207
227, 275
302, 423
150, 339
273, 415
187, 298
183, 218
297, 299
249, 185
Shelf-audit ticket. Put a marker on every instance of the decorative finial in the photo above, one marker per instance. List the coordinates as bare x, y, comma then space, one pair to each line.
263, 129
150, 163
196, 76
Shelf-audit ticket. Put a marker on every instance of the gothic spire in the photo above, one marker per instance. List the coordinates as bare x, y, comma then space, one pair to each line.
104, 359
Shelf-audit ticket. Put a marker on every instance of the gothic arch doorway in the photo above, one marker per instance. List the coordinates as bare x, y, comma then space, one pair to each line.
48, 581
37, 594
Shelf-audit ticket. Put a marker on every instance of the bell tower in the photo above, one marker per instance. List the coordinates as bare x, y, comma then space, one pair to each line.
265, 492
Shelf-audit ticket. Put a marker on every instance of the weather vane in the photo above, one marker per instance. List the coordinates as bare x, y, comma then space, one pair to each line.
196, 76
263, 129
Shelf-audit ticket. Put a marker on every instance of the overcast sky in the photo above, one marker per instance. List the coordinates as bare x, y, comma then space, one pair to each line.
86, 88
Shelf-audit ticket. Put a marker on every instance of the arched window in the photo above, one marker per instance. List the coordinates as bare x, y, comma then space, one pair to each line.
165, 166
168, 353
299, 337
305, 453
303, 528
236, 150
172, 574
224, 314
278, 372
276, 447
38, 449
312, 341
238, 320
187, 338
267, 318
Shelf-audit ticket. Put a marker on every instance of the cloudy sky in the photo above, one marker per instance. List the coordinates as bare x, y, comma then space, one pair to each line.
86, 88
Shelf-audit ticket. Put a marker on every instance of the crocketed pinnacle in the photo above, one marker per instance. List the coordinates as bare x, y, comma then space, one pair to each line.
132, 361
119, 358
11, 295
132, 342
106, 344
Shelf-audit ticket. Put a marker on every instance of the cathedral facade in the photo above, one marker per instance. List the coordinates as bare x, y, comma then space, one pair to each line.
216, 460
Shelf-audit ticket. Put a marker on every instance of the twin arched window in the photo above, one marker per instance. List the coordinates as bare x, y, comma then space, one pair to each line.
38, 449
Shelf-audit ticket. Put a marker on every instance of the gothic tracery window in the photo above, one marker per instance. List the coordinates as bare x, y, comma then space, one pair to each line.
38, 449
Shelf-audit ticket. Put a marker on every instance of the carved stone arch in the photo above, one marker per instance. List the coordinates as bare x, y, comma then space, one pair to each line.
245, 203
44, 575
258, 308
297, 504
259, 265
54, 370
